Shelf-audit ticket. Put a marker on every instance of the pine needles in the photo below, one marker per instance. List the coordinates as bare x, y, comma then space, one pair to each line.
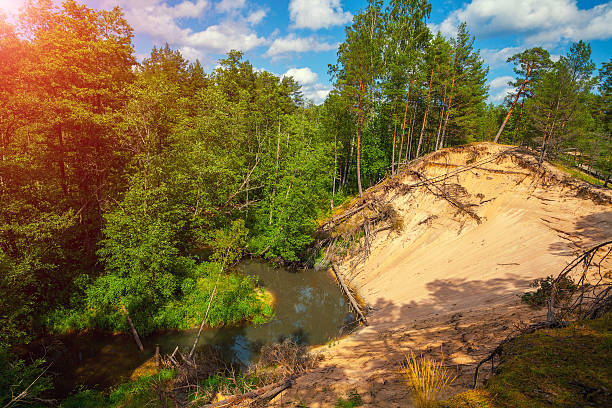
427, 378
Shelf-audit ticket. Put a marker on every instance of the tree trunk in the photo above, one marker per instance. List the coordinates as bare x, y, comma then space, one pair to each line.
448, 109
437, 146
399, 157
195, 343
359, 123
410, 133
347, 167
418, 151
549, 134
335, 170
277, 148
525, 81
132, 328
394, 133
520, 121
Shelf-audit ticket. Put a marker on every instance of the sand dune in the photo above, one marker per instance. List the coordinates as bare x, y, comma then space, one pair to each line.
448, 281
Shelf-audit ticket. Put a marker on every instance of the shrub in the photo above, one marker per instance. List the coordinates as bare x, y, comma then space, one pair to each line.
353, 400
427, 378
564, 291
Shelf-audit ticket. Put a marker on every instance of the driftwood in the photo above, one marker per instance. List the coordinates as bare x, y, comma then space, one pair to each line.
342, 216
268, 391
349, 295
195, 343
132, 328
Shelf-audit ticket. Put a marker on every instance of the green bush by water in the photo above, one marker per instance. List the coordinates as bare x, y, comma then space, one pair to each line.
144, 391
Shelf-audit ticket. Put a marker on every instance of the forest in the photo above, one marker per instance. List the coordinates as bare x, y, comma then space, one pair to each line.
129, 189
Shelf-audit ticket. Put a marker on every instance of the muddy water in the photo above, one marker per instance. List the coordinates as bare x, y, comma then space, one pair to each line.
308, 307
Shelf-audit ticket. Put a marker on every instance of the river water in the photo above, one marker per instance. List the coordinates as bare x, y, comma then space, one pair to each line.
309, 308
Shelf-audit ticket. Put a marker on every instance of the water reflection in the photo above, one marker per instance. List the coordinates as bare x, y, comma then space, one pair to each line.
308, 308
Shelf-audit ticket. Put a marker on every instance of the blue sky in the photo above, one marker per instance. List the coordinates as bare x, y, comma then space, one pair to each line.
300, 37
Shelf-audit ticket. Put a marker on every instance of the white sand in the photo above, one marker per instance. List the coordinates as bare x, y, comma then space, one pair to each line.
450, 284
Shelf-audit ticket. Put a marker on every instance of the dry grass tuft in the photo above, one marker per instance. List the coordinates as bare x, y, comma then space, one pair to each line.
427, 378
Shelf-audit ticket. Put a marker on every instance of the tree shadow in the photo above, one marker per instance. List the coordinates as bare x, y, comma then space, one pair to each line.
447, 324
588, 231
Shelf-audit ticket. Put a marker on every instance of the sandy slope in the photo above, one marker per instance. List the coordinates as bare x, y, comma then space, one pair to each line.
446, 283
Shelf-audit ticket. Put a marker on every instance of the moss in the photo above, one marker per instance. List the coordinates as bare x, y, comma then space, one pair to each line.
566, 367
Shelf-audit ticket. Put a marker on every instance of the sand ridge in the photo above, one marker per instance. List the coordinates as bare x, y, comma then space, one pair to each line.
448, 281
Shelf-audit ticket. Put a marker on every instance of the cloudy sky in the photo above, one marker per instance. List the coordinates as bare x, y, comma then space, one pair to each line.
300, 37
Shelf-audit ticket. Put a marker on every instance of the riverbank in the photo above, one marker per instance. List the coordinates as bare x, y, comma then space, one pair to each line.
308, 307
448, 281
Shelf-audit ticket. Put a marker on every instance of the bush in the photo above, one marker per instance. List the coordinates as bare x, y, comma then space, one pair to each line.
21, 383
148, 390
353, 400
564, 291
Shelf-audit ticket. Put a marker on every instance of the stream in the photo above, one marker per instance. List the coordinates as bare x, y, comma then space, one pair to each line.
309, 307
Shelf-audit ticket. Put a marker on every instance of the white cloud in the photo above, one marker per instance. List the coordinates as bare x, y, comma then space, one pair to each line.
538, 21
500, 82
191, 53
189, 8
162, 23
499, 88
229, 5
292, 43
315, 14
311, 88
224, 37
304, 76
495, 58
256, 16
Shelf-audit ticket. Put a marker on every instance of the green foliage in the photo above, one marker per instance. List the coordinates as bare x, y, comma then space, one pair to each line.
21, 383
401, 92
147, 390
353, 400
237, 384
564, 289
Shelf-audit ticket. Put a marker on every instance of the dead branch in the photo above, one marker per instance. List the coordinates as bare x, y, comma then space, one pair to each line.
268, 391
591, 296
349, 295
444, 195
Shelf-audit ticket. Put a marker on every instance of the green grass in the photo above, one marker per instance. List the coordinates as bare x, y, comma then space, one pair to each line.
353, 400
580, 175
567, 367
138, 393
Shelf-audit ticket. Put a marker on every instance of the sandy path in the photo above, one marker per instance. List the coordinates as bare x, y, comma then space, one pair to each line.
446, 283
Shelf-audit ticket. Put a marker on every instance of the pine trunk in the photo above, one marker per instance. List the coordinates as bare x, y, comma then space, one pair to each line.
359, 123
394, 133
399, 157
437, 146
501, 128
418, 151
